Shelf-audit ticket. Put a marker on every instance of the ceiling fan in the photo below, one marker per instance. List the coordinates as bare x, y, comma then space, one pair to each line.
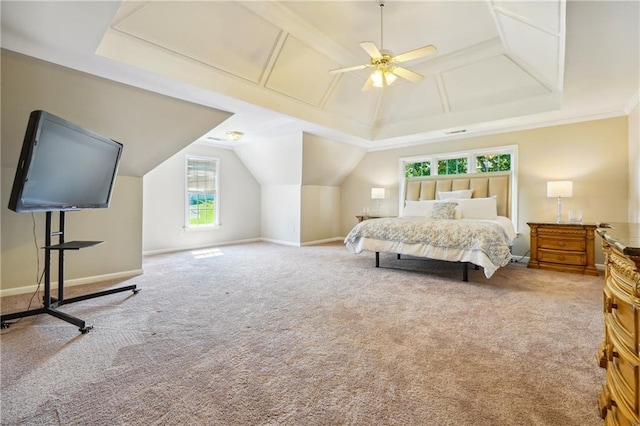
385, 63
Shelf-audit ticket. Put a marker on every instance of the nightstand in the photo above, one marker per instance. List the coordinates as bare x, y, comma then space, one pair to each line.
361, 218
566, 247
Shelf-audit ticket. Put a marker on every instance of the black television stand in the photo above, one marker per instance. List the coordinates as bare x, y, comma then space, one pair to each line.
51, 304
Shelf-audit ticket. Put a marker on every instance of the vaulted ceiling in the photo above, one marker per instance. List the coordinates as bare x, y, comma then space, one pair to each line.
499, 65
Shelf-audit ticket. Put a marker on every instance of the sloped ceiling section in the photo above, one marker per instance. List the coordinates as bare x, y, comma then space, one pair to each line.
151, 127
495, 59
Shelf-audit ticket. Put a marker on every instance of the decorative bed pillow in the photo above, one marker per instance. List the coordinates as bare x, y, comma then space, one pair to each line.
444, 210
460, 194
478, 208
418, 208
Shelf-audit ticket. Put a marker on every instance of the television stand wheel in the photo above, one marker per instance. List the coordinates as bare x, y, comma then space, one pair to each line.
4, 325
136, 290
85, 330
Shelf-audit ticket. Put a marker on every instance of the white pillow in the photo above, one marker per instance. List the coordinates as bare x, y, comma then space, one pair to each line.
460, 194
478, 208
418, 208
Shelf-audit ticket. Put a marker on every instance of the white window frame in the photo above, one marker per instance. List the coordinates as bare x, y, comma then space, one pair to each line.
471, 156
217, 223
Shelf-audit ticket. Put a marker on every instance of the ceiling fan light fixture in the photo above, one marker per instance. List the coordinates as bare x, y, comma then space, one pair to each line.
382, 78
385, 63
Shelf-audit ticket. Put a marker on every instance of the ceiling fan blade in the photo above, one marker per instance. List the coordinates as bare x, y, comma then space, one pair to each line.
407, 75
368, 85
353, 68
416, 53
371, 49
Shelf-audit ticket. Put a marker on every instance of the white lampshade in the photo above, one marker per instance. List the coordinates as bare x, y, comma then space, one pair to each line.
560, 188
377, 193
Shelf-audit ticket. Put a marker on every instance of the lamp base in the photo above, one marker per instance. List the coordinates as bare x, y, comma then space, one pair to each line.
559, 212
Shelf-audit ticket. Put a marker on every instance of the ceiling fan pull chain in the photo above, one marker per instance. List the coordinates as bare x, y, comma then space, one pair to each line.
381, 26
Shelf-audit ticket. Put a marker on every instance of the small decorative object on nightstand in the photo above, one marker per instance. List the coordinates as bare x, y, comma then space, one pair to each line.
566, 247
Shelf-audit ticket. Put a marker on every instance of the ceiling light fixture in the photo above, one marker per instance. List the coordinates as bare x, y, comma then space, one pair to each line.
234, 135
385, 64
380, 74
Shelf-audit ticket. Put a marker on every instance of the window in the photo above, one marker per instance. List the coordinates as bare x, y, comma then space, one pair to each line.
453, 166
493, 163
202, 195
422, 168
499, 159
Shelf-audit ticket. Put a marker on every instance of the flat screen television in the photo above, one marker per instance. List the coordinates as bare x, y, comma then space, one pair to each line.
63, 167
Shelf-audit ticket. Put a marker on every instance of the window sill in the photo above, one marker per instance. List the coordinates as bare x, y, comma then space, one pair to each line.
201, 228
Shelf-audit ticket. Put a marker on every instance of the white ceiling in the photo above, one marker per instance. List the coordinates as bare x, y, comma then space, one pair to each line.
499, 66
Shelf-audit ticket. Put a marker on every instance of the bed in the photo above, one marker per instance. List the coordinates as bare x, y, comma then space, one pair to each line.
464, 218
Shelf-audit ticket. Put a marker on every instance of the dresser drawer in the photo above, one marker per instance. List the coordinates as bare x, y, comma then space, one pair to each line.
561, 243
610, 412
621, 316
621, 396
562, 257
622, 375
617, 417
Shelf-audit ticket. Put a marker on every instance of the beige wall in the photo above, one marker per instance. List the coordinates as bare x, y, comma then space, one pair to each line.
164, 199
320, 209
281, 213
119, 226
594, 155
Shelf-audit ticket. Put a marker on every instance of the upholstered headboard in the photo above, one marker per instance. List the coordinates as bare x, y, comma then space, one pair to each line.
484, 185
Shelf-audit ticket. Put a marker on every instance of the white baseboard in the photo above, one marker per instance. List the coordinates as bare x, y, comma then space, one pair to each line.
326, 240
199, 247
251, 240
286, 243
525, 260
73, 282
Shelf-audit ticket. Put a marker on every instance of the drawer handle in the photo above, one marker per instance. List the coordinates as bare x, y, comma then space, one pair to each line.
561, 243
561, 257
601, 356
611, 354
604, 402
610, 306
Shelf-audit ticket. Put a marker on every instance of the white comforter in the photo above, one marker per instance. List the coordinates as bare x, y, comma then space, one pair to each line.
484, 243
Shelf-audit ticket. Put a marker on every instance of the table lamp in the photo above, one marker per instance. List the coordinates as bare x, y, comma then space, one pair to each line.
560, 188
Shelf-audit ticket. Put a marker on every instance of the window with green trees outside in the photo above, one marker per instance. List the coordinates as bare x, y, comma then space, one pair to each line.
202, 192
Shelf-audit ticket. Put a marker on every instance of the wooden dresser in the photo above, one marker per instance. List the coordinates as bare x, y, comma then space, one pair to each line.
565, 247
619, 400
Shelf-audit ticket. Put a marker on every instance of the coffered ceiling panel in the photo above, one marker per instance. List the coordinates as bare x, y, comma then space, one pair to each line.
488, 82
301, 72
347, 100
203, 31
426, 96
543, 14
537, 48
407, 24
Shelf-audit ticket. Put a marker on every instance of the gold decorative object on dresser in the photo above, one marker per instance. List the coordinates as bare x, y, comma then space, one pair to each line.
566, 247
619, 353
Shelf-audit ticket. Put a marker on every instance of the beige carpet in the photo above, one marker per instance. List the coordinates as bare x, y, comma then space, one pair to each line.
263, 334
